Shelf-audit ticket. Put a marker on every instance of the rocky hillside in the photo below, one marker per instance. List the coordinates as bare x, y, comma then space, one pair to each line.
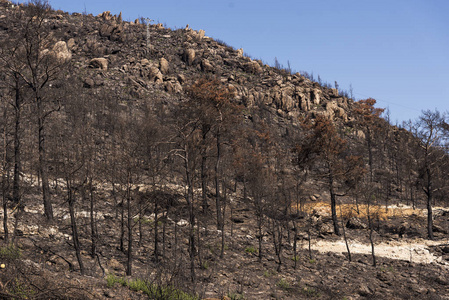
108, 52
144, 162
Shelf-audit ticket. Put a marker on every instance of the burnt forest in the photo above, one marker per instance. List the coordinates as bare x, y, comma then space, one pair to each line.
143, 162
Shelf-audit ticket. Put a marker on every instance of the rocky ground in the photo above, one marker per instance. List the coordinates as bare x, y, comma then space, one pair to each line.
410, 267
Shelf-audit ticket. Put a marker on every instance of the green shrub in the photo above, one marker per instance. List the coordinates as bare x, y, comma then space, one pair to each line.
236, 296
269, 273
10, 252
310, 292
111, 280
205, 265
143, 220
250, 250
153, 291
387, 269
22, 291
283, 284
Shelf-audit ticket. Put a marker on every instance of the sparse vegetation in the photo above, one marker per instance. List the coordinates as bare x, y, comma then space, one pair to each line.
310, 292
283, 284
201, 170
250, 250
21, 290
10, 252
151, 290
205, 265
236, 296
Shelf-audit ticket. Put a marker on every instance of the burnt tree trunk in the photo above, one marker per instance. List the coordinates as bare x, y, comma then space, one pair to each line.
75, 236
93, 232
156, 230
429, 194
43, 169
333, 204
130, 232
17, 144
217, 182
189, 199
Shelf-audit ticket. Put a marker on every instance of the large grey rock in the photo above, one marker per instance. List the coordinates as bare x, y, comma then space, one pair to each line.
163, 65
315, 96
113, 32
106, 30
61, 52
253, 67
201, 33
155, 75
206, 66
106, 15
189, 56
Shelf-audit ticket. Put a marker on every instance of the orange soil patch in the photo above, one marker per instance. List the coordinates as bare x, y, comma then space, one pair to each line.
361, 211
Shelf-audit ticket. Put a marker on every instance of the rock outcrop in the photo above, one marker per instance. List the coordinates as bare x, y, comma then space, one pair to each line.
61, 52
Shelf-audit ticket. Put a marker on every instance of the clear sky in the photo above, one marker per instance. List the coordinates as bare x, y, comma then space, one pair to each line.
395, 51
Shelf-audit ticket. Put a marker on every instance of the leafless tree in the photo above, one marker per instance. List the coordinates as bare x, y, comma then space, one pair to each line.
35, 65
429, 130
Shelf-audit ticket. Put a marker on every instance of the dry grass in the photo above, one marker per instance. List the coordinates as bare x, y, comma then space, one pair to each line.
361, 211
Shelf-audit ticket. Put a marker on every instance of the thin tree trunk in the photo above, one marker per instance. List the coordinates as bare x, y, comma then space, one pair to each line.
164, 235
204, 205
334, 211
130, 232
429, 193
198, 243
176, 256
310, 243
223, 223
295, 244
48, 208
370, 153
344, 235
17, 145
5, 211
191, 218
231, 214
156, 230
5, 184
217, 182
277, 242
16, 223
370, 224
259, 234
73, 224
93, 233
122, 225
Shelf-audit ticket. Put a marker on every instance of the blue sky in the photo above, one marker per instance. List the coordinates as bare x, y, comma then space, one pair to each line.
396, 52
